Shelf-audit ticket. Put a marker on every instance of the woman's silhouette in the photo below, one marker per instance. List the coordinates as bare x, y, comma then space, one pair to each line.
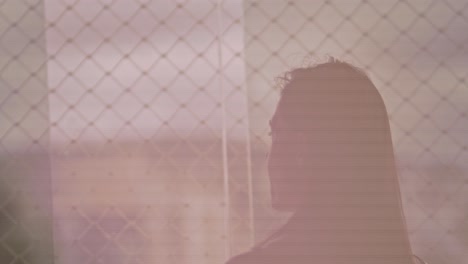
331, 163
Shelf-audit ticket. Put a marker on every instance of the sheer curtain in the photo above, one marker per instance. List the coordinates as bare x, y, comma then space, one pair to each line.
148, 138
136, 131
128, 120
25, 187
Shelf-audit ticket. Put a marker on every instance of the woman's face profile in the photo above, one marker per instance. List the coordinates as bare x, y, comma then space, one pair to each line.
330, 124
286, 165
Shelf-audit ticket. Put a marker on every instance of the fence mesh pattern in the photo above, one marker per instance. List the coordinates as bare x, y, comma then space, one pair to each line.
136, 131
415, 52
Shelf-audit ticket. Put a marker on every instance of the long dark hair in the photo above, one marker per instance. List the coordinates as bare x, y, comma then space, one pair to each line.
352, 174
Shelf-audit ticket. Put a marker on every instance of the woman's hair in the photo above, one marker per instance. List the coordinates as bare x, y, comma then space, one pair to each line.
337, 108
306, 71
319, 89
350, 163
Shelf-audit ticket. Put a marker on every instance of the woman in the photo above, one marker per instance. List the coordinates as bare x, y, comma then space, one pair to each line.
331, 164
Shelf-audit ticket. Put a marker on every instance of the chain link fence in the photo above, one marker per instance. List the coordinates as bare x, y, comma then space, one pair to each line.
141, 126
416, 54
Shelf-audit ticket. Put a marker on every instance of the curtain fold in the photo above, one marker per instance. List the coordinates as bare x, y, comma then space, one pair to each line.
26, 234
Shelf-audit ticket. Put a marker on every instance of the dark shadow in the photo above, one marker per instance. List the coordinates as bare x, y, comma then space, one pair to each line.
332, 165
25, 210
14, 242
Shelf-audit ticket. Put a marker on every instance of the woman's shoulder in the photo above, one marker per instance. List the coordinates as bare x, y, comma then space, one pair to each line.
239, 259
244, 258
273, 251
249, 257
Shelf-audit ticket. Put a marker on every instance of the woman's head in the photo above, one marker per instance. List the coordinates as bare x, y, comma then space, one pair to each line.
330, 136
